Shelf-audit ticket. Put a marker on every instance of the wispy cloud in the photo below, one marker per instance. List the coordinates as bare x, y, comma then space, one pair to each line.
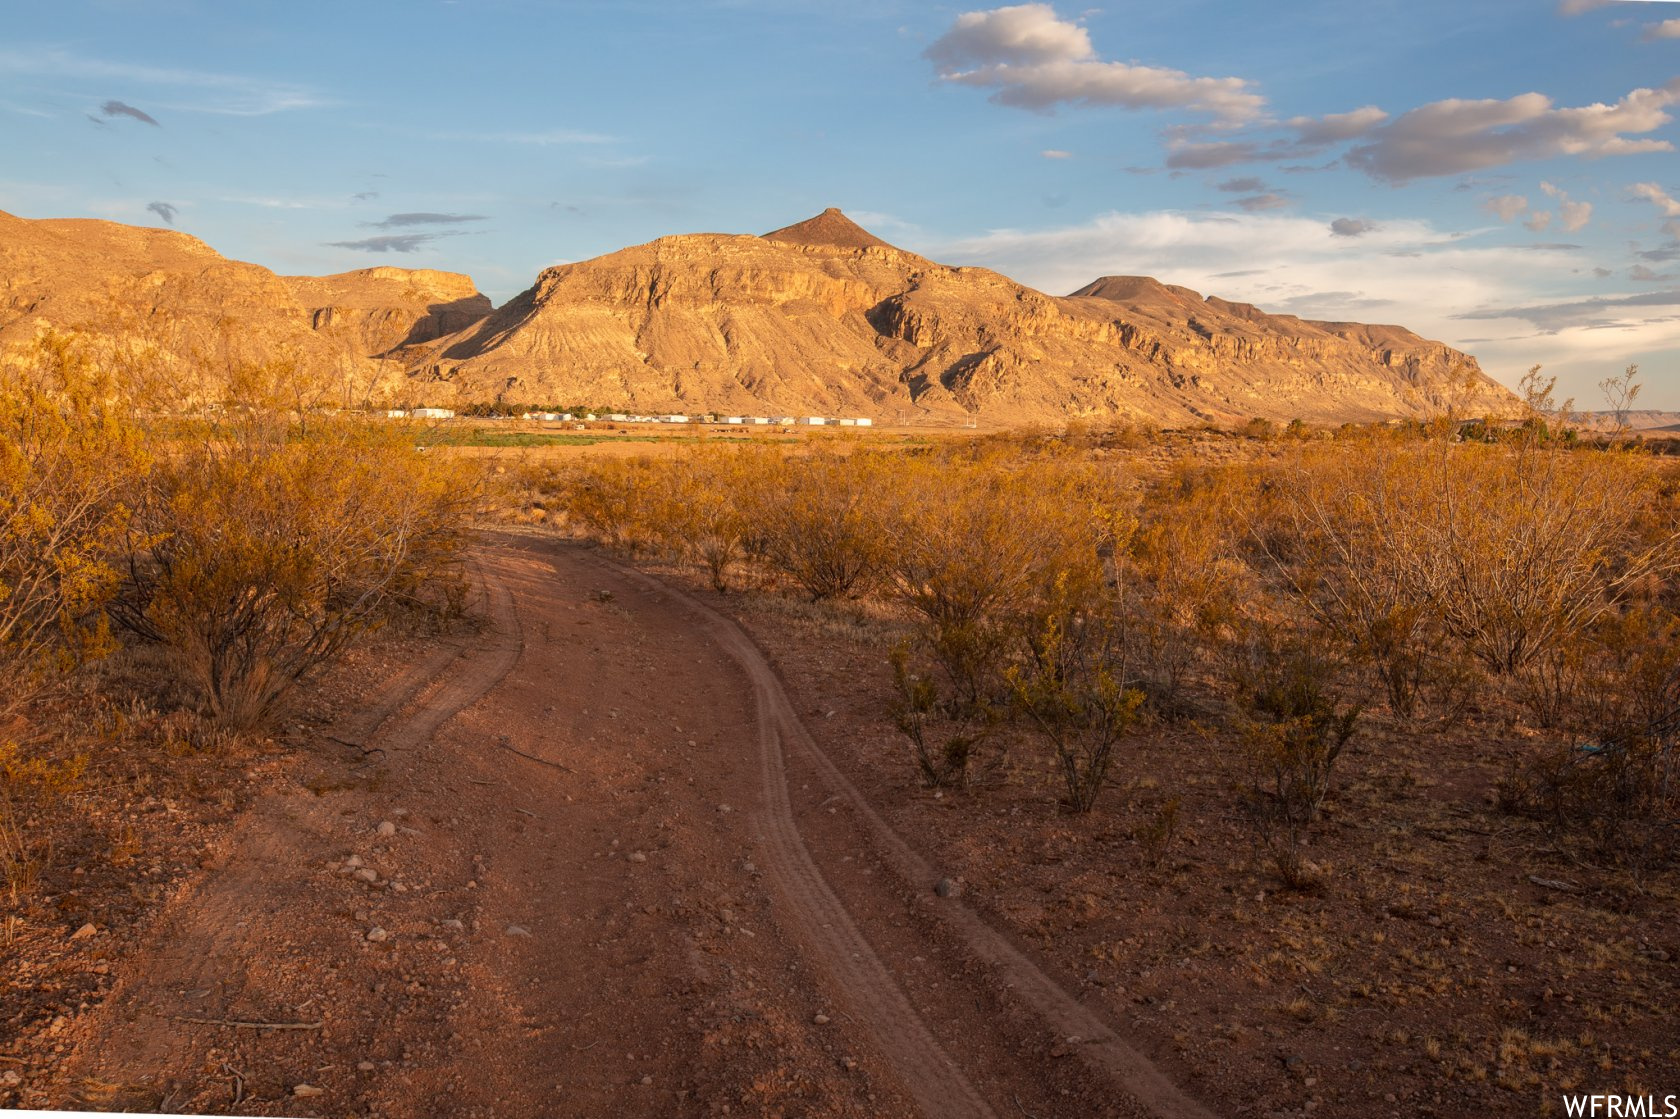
1055, 153
227, 94
1454, 136
1351, 227
119, 109
1666, 29
1034, 59
1573, 215
402, 221
389, 243
164, 210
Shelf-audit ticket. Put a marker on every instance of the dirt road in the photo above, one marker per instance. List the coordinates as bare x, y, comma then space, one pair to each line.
586, 863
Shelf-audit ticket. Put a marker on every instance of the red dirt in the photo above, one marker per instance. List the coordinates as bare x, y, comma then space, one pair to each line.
620, 878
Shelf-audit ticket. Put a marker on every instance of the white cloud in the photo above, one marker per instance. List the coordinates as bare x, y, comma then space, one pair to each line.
1507, 206
1656, 196
1539, 221
1572, 215
1453, 136
1034, 59
227, 94
1336, 128
1055, 153
1576, 7
1667, 29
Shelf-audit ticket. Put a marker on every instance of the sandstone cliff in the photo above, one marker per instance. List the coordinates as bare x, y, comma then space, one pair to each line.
823, 317
375, 310
820, 317
169, 297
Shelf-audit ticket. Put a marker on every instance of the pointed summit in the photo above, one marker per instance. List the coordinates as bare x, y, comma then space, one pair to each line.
830, 228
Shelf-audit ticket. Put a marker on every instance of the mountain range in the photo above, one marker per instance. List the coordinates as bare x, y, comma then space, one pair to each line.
820, 317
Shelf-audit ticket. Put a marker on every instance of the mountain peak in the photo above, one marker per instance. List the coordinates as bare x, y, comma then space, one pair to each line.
830, 228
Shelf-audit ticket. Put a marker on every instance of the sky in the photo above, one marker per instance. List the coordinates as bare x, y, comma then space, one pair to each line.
1500, 175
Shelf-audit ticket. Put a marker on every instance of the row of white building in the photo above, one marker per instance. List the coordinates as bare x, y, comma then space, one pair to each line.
673, 418
677, 418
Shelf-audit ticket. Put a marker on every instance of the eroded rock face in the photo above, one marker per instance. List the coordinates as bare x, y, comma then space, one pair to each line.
376, 310
168, 296
823, 317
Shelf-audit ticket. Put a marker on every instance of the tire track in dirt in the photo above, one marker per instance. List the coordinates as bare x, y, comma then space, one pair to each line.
207, 931
928, 1071
941, 1089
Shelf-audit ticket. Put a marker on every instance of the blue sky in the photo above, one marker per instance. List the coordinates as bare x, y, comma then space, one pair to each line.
1497, 174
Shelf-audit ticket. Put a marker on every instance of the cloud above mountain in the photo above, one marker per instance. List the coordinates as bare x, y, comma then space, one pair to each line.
1034, 59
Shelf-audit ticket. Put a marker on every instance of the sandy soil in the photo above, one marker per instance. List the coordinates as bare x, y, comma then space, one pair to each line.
589, 862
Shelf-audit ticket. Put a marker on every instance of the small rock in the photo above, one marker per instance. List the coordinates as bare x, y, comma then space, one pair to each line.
367, 874
725, 808
518, 930
377, 934
353, 861
364, 1066
452, 923
946, 888
821, 1019
10, 1079
302, 1090
84, 932
386, 828
646, 1081
637, 857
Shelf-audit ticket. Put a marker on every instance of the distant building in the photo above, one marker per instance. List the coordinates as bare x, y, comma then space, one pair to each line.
865, 421
760, 419
786, 421
847, 422
618, 417
815, 421
395, 414
733, 420
673, 419
434, 413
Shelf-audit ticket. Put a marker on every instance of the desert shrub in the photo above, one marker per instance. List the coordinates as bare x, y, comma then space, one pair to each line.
613, 501
1521, 549
1075, 691
1348, 534
265, 546
821, 519
1612, 787
703, 513
944, 736
1178, 579
1294, 728
1155, 835
70, 461
975, 550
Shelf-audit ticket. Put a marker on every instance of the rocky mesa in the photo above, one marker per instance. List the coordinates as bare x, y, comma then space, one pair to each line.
824, 317
821, 317
170, 296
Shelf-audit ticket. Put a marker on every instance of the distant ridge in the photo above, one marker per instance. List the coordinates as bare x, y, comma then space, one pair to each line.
817, 318
824, 318
830, 228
